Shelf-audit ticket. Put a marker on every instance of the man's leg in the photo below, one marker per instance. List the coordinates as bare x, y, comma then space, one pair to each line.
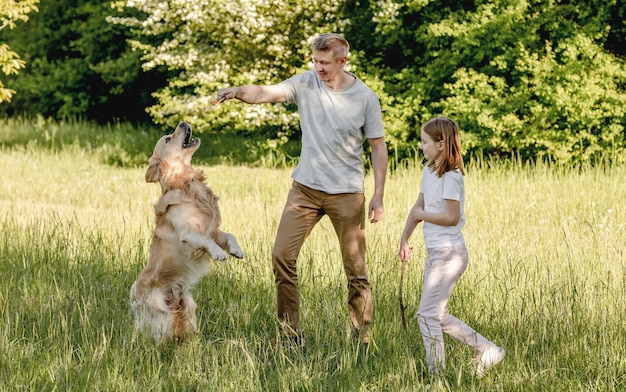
347, 213
300, 215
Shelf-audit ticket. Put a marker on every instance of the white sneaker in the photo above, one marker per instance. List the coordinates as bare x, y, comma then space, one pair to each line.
488, 359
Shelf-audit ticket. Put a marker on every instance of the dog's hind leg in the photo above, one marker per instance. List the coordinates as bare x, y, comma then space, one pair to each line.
228, 241
184, 313
152, 313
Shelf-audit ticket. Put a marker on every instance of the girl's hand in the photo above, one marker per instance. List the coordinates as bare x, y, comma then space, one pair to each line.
405, 251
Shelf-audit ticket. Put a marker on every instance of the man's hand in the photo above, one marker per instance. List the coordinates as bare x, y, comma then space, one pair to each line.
376, 209
223, 94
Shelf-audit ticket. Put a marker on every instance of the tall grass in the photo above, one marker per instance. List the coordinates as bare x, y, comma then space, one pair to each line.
130, 145
546, 281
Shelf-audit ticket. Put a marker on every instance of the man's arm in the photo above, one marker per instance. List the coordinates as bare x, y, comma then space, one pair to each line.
252, 93
379, 165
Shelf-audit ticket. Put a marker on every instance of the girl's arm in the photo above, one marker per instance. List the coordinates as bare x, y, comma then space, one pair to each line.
411, 223
449, 218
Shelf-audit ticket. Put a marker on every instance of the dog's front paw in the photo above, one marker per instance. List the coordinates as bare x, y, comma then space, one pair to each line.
237, 252
218, 254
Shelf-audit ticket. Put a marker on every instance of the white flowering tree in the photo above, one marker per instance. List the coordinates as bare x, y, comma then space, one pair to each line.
215, 43
12, 11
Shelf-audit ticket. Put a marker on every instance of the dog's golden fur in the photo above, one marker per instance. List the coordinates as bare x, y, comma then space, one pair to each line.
186, 234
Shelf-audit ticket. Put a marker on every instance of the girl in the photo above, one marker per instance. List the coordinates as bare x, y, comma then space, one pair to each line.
440, 206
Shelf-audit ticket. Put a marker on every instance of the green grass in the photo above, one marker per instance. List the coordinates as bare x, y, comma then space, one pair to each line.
546, 279
130, 145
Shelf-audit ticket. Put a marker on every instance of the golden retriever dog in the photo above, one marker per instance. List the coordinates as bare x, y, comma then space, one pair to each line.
186, 234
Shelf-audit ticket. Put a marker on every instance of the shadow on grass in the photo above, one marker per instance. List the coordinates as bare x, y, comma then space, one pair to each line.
130, 145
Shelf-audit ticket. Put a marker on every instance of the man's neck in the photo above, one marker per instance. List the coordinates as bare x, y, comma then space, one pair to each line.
343, 80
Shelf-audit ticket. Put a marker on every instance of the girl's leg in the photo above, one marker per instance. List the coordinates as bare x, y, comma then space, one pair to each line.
452, 325
440, 275
444, 267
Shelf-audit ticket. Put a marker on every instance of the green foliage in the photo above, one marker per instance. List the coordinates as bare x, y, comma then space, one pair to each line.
13, 11
532, 79
565, 104
10, 62
212, 44
526, 79
78, 66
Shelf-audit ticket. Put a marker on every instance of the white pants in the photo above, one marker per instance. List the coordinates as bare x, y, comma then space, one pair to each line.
444, 267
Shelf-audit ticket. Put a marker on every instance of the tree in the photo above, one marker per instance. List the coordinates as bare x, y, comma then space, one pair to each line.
212, 43
527, 78
533, 80
79, 66
10, 12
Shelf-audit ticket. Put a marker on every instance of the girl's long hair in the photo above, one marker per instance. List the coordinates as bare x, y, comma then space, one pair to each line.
445, 129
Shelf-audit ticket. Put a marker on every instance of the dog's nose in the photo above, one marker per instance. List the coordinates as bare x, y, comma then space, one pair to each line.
184, 125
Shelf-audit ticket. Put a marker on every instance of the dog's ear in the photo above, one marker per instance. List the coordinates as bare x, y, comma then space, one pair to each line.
154, 170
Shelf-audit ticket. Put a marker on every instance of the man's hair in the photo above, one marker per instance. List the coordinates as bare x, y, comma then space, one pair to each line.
443, 129
331, 41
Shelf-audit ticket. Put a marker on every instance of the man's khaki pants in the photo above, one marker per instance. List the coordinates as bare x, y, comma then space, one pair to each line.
304, 208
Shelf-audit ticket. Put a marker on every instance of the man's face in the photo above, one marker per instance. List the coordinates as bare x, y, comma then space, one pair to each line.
327, 67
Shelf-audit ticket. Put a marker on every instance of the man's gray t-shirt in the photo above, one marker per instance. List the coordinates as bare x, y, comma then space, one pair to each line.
334, 124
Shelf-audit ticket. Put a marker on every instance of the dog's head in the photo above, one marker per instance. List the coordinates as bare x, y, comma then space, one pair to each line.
172, 153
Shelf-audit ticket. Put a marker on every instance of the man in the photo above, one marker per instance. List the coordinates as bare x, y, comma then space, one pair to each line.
338, 112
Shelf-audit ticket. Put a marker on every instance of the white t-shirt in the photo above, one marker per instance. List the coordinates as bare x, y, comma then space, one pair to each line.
334, 124
450, 186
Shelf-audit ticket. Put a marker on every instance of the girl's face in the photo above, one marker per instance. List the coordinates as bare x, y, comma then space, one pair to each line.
430, 148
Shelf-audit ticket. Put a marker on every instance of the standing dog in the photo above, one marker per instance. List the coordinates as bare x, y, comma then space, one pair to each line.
187, 232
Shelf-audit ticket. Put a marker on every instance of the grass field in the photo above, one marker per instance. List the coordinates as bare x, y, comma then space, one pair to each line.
546, 279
